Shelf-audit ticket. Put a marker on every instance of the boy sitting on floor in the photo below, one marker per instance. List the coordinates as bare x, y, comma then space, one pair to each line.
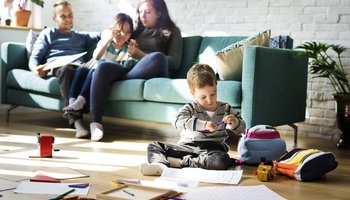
203, 123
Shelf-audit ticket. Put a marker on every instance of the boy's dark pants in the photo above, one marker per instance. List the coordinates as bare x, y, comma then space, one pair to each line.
206, 155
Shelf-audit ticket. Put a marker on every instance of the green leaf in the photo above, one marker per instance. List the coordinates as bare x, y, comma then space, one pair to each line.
39, 2
339, 49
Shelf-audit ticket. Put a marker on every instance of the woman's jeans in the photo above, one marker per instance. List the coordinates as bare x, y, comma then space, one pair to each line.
152, 65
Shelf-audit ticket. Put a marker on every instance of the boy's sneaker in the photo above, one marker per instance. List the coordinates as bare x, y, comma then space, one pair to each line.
152, 169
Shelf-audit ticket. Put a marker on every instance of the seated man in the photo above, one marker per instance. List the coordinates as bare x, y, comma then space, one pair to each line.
61, 41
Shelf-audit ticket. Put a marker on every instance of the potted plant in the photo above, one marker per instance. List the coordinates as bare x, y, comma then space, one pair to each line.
22, 14
8, 22
326, 66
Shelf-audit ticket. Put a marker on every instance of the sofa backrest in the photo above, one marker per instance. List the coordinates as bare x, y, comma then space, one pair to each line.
190, 48
210, 45
198, 49
90, 50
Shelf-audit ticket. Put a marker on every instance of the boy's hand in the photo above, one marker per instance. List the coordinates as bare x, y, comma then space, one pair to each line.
210, 126
229, 119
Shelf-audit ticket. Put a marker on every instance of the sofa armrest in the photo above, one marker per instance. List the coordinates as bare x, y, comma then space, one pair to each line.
13, 55
274, 86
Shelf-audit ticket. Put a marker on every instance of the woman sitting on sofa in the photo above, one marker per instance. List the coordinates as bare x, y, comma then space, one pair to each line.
157, 45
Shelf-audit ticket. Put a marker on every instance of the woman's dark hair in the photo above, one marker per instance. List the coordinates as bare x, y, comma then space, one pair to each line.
164, 22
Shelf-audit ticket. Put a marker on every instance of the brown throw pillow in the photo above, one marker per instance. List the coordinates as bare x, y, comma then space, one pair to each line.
229, 60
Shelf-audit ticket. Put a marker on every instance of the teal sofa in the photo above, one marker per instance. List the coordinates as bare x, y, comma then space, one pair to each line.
272, 89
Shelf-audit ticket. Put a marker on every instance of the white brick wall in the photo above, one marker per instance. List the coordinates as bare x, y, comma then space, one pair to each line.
303, 20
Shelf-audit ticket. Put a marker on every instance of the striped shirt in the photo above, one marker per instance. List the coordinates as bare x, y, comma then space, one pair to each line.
119, 56
192, 118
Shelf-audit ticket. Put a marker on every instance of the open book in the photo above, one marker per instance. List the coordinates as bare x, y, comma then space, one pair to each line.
63, 60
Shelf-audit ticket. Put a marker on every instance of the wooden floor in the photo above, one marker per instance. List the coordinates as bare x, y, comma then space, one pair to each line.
123, 148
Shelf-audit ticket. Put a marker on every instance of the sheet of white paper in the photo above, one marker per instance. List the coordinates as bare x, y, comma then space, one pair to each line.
63, 60
221, 176
60, 172
180, 186
259, 192
27, 187
7, 185
202, 175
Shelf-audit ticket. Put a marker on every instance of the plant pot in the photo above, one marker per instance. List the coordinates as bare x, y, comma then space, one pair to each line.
343, 118
22, 17
8, 22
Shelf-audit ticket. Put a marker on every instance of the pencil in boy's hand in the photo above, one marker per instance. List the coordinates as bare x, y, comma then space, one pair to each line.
219, 123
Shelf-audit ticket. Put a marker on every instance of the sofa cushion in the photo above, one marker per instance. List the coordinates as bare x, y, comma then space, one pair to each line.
229, 60
281, 41
167, 90
176, 91
27, 80
210, 45
131, 90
